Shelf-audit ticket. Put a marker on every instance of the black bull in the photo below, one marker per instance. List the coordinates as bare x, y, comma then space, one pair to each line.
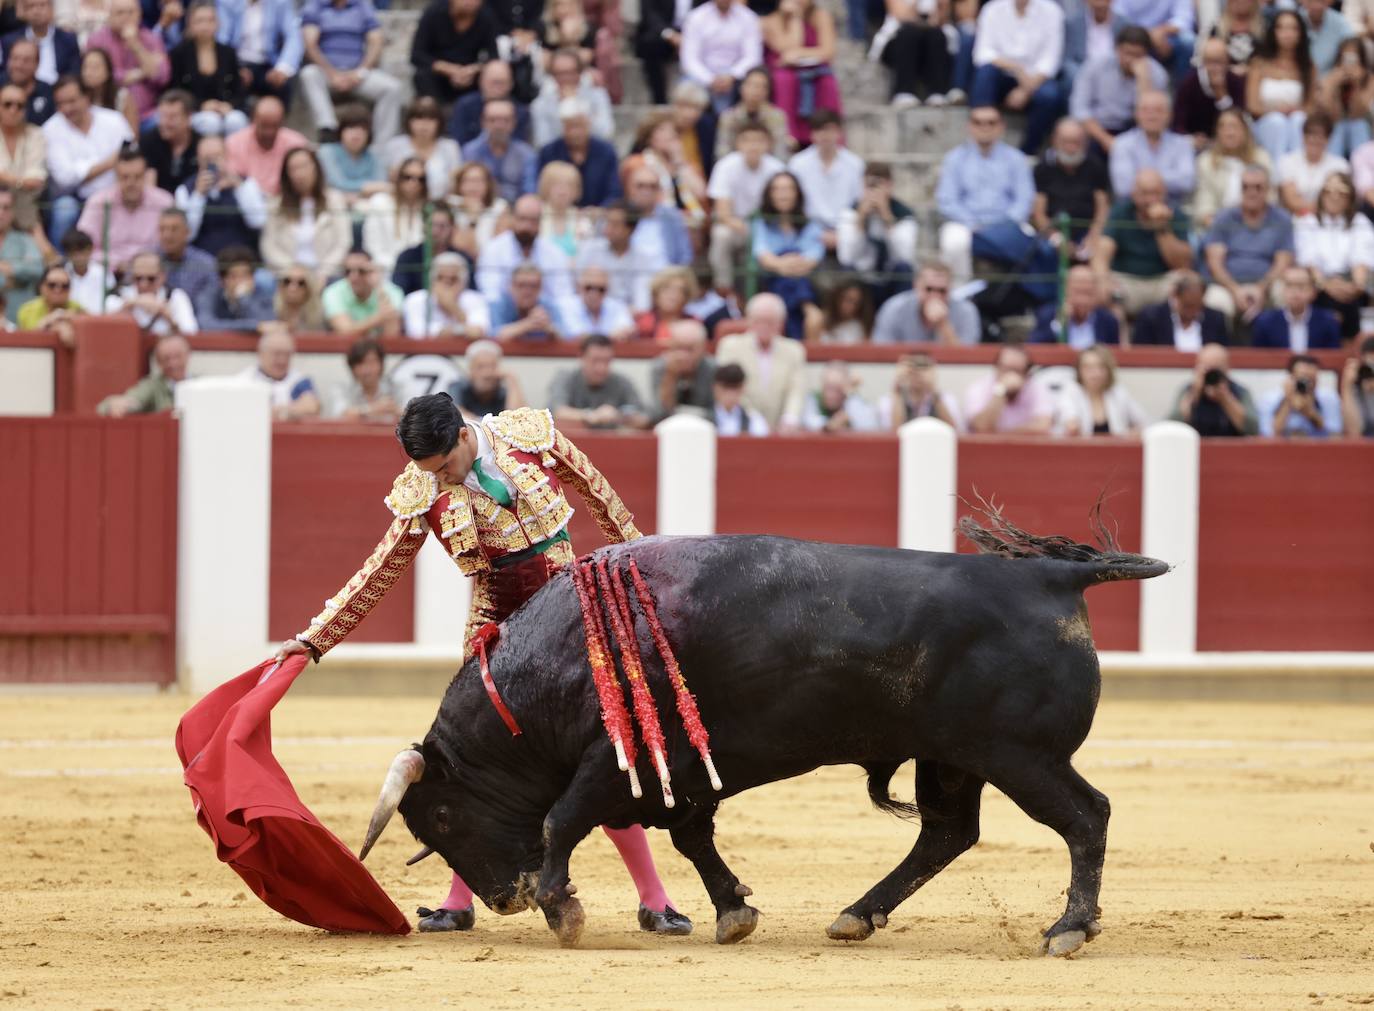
800, 654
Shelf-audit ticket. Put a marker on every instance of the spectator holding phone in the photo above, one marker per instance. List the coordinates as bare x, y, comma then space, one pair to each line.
1009, 402
1213, 402
1298, 407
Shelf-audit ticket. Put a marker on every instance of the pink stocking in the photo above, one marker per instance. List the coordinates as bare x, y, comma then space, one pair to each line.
459, 895
633, 844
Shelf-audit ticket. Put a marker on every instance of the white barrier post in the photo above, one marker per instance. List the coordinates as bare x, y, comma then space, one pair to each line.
686, 475
223, 529
1169, 525
442, 596
928, 460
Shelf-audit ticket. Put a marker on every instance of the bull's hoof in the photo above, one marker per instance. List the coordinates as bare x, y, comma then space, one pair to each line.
848, 927
668, 921
567, 923
437, 921
1066, 944
736, 925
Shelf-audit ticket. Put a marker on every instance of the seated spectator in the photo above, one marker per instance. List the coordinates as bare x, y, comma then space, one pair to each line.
362, 303
728, 411
38, 28
1069, 182
53, 308
423, 139
98, 80
798, 50
831, 175
394, 222
192, 270
560, 191
660, 237
594, 158
292, 394
755, 105
127, 213
156, 391
1009, 401
983, 182
1090, 33
297, 302
343, 49
680, 378
89, 283
1240, 31
349, 163
1300, 407
1206, 92
259, 150
657, 38
695, 129
83, 145
1220, 166
369, 395
1357, 392
837, 406
722, 40
1151, 145
877, 237
1212, 402
1018, 51
916, 394
848, 315
450, 308
158, 309
1337, 245
308, 224
526, 311
1171, 26
1326, 30
657, 149
512, 162
1144, 241
138, 54
21, 68
594, 395
1105, 93
1247, 248
628, 271
1281, 86
269, 50
208, 70
1297, 324
171, 145
221, 209
453, 39
593, 310
495, 83
1085, 321
23, 157
670, 293
788, 248
21, 264
928, 313
523, 244
1182, 321
488, 387
1095, 403
566, 80
1346, 94
776, 390
238, 302
1302, 172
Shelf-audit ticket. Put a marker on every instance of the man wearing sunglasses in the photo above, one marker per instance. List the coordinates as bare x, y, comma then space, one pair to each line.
361, 304
156, 308
927, 313
594, 311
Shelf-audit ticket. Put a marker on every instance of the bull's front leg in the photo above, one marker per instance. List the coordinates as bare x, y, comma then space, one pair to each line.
566, 825
695, 839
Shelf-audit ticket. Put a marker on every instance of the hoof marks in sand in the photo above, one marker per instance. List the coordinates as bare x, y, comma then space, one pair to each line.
736, 925
848, 927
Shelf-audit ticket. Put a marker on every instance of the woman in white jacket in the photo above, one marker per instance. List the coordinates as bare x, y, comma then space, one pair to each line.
1095, 403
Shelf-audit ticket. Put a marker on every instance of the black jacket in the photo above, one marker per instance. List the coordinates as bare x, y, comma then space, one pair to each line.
1155, 325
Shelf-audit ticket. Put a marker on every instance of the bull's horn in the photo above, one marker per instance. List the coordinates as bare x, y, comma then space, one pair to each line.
428, 851
406, 768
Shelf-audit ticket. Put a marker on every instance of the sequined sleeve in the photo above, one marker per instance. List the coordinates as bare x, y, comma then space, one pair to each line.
572, 467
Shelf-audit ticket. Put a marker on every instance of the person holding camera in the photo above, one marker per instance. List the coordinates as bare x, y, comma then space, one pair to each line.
916, 394
1298, 407
1357, 392
1213, 402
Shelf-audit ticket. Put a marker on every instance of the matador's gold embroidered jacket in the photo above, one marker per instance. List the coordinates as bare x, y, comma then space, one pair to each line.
539, 461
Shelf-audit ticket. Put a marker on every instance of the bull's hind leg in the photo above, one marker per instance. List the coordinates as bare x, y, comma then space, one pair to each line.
948, 799
695, 839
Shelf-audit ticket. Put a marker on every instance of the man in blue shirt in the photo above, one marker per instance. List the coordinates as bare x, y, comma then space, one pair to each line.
982, 182
1105, 91
266, 35
1152, 145
513, 162
496, 82
1248, 249
343, 42
523, 312
593, 157
1298, 407
1171, 24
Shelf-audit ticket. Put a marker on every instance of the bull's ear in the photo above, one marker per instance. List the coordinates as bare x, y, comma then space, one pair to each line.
439, 761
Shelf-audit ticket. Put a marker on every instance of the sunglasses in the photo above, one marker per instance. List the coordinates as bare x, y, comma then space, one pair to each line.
11, 105
146, 278
598, 288
412, 177
985, 122
58, 285
294, 282
929, 290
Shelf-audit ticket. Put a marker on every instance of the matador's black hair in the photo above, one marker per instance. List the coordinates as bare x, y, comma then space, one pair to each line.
430, 426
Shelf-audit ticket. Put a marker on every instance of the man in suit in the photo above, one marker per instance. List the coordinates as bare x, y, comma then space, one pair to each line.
1089, 31
59, 52
1181, 321
1298, 326
775, 367
21, 68
270, 57
1086, 320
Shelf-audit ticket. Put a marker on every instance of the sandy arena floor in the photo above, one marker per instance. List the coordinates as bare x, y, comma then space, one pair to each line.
1239, 875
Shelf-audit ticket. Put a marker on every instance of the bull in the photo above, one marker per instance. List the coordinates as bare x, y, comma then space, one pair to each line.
981, 668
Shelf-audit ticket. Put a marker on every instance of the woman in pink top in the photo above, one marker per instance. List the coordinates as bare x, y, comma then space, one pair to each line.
798, 47
137, 53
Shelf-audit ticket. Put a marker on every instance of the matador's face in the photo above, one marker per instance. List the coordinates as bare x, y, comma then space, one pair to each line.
454, 466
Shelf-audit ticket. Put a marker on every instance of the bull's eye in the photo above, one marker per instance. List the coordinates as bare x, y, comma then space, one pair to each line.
440, 819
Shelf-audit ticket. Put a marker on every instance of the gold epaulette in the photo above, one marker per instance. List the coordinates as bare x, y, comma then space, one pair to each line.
412, 494
526, 428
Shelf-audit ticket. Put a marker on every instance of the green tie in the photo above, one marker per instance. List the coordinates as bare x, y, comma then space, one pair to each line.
494, 488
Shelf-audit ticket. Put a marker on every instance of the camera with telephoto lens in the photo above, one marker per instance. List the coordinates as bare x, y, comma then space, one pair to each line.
1303, 387
1213, 377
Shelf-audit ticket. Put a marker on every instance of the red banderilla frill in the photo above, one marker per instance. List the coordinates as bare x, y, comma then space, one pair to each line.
613, 715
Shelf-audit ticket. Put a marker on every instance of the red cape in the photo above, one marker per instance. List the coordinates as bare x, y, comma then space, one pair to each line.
260, 828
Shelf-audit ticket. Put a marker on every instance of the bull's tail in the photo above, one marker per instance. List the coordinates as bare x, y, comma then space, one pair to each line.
879, 780
1104, 562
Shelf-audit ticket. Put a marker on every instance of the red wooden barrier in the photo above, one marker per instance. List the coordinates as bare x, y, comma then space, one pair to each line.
1286, 542
89, 542
1048, 487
